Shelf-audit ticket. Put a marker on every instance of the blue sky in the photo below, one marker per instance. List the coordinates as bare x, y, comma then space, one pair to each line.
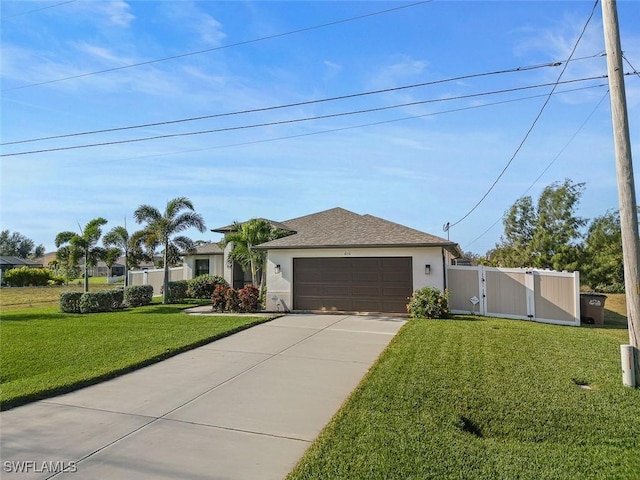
420, 165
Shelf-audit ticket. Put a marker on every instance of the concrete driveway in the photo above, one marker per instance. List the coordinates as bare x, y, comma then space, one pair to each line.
244, 407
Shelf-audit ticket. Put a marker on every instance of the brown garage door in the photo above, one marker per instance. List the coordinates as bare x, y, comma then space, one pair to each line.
376, 284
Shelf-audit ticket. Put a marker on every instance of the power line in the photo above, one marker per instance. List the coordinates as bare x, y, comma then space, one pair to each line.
363, 125
222, 47
297, 120
535, 121
290, 105
548, 165
38, 9
635, 72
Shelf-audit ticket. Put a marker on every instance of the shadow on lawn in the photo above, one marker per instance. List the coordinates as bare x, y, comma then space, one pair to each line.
614, 320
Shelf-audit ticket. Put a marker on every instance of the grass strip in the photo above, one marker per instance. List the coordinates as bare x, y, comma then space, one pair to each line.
479, 398
46, 353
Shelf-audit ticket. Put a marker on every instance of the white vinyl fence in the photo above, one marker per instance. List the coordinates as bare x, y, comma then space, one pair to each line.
154, 277
520, 293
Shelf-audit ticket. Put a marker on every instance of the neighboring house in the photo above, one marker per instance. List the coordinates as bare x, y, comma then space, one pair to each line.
208, 259
337, 260
7, 263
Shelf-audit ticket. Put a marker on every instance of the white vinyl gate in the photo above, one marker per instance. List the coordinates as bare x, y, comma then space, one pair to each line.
520, 293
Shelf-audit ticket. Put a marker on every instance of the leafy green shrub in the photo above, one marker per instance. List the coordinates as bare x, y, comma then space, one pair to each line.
56, 280
218, 297
615, 287
203, 286
27, 276
138, 295
428, 302
177, 290
249, 299
117, 298
70, 302
94, 302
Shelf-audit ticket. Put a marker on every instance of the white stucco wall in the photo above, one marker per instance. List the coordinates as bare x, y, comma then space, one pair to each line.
280, 285
216, 265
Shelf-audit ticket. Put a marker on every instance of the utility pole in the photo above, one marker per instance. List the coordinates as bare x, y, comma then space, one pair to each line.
624, 169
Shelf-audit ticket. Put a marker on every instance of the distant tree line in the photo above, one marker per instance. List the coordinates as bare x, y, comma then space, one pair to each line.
549, 234
14, 244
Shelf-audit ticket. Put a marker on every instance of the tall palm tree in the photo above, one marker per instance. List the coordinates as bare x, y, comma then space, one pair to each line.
245, 236
84, 245
163, 227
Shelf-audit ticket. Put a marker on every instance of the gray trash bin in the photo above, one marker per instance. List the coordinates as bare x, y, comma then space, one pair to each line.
592, 308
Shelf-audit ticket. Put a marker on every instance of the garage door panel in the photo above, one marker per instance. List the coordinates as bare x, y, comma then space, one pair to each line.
335, 276
333, 290
395, 262
352, 284
364, 263
368, 277
308, 275
395, 292
366, 291
397, 276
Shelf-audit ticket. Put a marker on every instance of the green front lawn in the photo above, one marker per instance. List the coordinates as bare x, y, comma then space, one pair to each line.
478, 398
45, 352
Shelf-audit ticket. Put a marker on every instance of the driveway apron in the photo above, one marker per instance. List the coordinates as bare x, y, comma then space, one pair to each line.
244, 407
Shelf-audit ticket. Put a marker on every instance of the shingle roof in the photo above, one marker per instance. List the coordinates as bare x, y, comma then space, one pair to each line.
7, 260
341, 228
229, 228
210, 248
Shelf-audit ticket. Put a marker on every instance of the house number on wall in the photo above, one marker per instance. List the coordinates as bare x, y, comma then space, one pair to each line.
347, 254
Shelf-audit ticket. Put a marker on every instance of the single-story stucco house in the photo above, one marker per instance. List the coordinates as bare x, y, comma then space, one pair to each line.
337, 260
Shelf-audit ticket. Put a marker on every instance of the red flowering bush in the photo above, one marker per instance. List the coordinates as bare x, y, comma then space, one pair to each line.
249, 299
219, 297
231, 302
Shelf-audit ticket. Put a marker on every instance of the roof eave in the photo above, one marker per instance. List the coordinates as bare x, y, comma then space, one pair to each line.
357, 245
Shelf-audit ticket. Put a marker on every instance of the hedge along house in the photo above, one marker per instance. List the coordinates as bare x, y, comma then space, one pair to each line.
338, 260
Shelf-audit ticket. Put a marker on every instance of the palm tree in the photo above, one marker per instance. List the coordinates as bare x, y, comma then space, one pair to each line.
162, 227
245, 236
118, 238
83, 245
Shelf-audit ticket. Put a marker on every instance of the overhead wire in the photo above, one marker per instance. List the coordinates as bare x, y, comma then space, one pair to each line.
295, 104
562, 150
297, 120
635, 72
4, 17
352, 127
221, 47
449, 225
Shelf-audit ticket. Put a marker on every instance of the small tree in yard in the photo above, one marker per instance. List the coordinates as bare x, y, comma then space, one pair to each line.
118, 239
163, 228
245, 237
81, 245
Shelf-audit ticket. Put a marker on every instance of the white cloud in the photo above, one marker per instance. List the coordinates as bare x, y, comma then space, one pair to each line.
211, 30
400, 70
190, 15
116, 12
